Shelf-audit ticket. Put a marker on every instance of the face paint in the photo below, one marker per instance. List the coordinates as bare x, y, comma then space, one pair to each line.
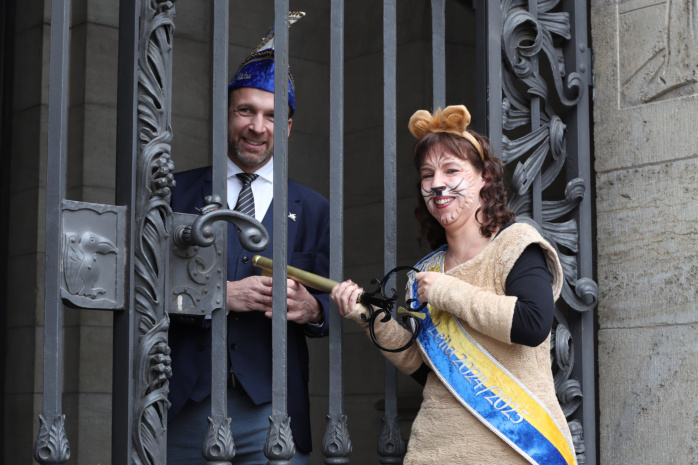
449, 186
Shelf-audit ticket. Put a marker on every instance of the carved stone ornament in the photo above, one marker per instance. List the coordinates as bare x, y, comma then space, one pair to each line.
93, 255
664, 64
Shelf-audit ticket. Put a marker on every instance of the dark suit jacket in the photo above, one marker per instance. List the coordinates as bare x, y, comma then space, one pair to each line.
249, 333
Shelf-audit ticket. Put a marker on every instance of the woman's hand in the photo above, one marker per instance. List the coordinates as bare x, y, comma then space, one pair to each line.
345, 295
424, 281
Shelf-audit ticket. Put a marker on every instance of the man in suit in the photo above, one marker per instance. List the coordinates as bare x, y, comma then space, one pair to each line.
250, 152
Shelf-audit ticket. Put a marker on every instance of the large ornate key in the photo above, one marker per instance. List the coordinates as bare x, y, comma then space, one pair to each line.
380, 302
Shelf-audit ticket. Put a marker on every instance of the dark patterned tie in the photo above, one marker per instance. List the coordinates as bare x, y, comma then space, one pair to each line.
245, 202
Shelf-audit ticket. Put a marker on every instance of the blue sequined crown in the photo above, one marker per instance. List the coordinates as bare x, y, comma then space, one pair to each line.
257, 70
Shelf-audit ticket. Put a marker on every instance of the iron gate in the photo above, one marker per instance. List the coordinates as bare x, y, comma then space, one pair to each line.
526, 48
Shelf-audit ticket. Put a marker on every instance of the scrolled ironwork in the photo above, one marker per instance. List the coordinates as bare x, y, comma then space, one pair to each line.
252, 234
583, 295
523, 38
154, 178
535, 139
569, 391
578, 440
381, 303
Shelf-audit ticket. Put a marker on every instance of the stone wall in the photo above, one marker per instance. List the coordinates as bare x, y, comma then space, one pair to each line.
24, 300
645, 139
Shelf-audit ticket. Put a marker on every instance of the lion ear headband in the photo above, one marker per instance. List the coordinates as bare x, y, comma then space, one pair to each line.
454, 119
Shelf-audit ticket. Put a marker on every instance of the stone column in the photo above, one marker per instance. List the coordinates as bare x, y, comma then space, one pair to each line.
645, 144
24, 320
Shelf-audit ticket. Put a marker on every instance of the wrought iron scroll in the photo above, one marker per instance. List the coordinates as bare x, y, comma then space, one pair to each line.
532, 36
154, 181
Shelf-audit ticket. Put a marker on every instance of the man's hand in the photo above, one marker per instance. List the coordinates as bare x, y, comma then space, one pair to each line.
250, 294
302, 306
254, 293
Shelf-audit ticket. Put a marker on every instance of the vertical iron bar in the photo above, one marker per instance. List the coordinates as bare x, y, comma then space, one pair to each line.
51, 443
218, 445
391, 447
336, 445
578, 57
494, 75
279, 448
536, 190
126, 148
480, 116
438, 52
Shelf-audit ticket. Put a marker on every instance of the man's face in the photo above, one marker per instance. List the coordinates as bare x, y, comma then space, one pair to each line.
251, 128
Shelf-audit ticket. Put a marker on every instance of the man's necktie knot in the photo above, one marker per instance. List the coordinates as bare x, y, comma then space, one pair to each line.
245, 203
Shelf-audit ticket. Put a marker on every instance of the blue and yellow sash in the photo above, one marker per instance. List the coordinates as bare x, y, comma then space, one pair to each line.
486, 388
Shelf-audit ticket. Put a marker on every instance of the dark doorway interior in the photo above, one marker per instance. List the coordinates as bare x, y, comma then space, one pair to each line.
7, 8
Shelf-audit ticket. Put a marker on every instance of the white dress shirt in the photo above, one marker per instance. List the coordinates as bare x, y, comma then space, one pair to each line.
262, 187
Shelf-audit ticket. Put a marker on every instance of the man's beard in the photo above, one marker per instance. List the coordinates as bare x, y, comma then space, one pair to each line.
249, 161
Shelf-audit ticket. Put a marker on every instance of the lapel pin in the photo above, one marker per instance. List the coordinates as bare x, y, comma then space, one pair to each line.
292, 216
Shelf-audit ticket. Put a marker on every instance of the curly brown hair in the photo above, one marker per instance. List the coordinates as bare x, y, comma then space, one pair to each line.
493, 212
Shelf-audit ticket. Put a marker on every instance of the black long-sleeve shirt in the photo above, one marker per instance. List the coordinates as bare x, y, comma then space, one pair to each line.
530, 282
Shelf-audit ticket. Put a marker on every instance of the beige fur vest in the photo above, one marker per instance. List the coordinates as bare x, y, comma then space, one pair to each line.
444, 432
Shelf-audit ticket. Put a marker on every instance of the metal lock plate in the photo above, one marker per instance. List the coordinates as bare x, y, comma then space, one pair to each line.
197, 274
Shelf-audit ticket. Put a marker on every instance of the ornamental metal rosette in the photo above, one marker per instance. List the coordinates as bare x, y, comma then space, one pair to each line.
154, 181
534, 138
391, 446
336, 444
219, 446
52, 444
279, 447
